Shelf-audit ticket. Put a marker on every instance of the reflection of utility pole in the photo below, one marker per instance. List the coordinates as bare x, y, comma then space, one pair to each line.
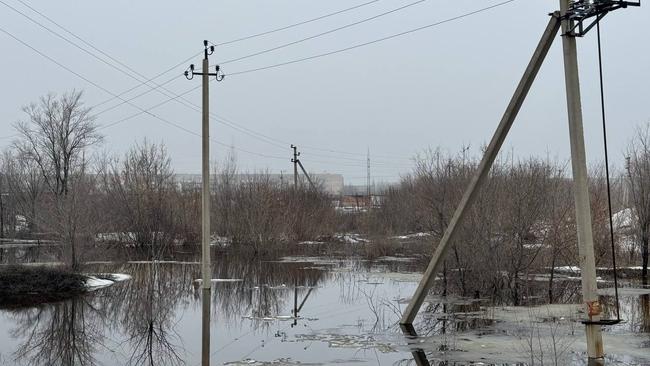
418, 354
205, 206
296, 307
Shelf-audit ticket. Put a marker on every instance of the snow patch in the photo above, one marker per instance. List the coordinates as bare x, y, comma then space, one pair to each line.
411, 236
350, 238
220, 241
309, 242
95, 282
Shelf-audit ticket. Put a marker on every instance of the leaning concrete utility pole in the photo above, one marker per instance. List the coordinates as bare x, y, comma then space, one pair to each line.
206, 273
486, 163
581, 188
576, 17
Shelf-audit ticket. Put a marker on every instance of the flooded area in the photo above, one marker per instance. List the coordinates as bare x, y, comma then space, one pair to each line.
301, 309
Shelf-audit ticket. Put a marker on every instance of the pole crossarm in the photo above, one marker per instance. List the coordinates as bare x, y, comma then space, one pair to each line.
581, 11
486, 163
218, 74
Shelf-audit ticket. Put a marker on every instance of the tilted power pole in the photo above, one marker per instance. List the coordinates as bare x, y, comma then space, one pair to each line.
575, 18
486, 163
206, 273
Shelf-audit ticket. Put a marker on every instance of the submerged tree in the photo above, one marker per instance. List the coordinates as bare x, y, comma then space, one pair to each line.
142, 186
55, 137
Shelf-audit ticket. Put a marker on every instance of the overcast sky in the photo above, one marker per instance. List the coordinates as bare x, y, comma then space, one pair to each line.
444, 86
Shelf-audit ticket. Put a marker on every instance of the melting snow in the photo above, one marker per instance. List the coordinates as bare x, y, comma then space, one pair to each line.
95, 282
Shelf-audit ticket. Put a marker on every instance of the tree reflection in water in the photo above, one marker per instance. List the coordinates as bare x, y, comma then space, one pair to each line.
65, 333
146, 308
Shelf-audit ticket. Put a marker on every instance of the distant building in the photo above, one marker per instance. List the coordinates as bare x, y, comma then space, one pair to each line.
331, 183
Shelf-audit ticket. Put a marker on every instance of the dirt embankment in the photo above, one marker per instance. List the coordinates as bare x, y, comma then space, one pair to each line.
25, 286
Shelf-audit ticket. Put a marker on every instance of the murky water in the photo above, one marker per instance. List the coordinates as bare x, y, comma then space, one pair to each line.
347, 314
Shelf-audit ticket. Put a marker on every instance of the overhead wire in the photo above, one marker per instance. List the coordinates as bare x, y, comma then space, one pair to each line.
130, 103
295, 24
233, 125
370, 42
365, 44
365, 20
83, 49
157, 87
89, 44
171, 95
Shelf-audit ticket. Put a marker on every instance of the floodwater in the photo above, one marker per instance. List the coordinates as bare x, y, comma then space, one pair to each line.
347, 314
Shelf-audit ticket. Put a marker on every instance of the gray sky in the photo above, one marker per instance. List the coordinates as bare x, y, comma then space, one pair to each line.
445, 86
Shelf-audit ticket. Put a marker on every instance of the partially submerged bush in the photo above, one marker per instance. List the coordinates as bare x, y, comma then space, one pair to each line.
24, 286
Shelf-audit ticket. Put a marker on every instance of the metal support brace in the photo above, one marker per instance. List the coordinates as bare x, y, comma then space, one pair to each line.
486, 163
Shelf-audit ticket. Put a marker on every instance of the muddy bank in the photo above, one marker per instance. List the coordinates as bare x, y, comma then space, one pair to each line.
24, 286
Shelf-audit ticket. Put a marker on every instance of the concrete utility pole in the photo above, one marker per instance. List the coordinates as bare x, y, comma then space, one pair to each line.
581, 190
206, 273
296, 154
486, 163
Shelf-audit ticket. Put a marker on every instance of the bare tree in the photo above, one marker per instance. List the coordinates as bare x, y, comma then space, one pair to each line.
55, 137
25, 185
638, 152
142, 188
57, 132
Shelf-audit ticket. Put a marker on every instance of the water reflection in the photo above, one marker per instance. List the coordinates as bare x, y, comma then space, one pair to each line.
154, 317
66, 333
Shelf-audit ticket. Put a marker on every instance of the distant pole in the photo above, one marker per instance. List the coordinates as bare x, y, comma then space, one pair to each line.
296, 154
368, 179
304, 171
206, 274
590, 296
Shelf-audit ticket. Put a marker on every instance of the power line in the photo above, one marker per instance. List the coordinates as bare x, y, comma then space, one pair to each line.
322, 33
142, 111
146, 110
130, 103
189, 104
215, 44
157, 87
142, 79
373, 41
150, 80
134, 97
295, 24
220, 119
